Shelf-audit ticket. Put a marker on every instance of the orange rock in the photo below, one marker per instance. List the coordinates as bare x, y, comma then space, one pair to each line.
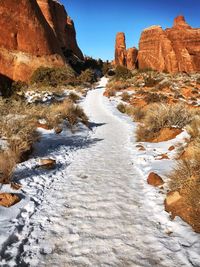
171, 148
48, 164
163, 156
177, 204
166, 134
123, 57
174, 50
21, 22
7, 199
120, 49
154, 179
48, 24
61, 24
131, 58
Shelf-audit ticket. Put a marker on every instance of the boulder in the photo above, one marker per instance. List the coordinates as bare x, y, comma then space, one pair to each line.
48, 164
154, 179
8, 199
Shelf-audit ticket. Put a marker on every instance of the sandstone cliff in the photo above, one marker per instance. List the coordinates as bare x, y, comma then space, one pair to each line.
123, 57
61, 24
29, 39
176, 49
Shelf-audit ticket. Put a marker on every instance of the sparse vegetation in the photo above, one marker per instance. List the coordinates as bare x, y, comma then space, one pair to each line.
7, 165
53, 76
160, 116
122, 73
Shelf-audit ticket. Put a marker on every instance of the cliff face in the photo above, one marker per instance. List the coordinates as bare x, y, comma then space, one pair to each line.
61, 24
27, 39
174, 50
123, 57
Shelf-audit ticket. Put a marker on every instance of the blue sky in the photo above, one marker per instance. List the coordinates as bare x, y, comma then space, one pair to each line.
97, 22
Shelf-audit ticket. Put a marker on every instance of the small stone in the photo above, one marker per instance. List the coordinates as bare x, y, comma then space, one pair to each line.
154, 179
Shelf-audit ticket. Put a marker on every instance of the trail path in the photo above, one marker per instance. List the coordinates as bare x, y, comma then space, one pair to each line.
97, 213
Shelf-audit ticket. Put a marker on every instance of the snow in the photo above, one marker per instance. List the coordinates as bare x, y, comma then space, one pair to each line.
96, 208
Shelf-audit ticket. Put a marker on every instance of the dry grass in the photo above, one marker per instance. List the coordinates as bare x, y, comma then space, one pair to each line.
125, 96
7, 165
136, 113
185, 178
19, 122
160, 116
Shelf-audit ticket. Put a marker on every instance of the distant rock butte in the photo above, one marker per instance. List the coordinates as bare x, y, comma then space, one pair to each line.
176, 49
123, 57
28, 39
173, 50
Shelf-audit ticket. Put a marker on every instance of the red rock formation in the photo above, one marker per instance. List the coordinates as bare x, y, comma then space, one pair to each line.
61, 24
173, 50
131, 58
123, 57
156, 51
120, 49
26, 40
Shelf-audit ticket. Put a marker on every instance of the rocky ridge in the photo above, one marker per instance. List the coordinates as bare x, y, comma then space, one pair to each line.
173, 50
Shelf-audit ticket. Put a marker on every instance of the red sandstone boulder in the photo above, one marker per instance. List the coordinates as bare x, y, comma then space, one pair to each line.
173, 50
154, 179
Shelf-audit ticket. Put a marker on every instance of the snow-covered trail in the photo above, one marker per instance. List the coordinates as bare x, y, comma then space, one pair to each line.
97, 213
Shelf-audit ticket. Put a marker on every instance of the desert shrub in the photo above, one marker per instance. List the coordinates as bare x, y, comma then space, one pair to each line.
137, 113
7, 165
125, 96
53, 76
87, 76
74, 97
66, 110
150, 81
184, 172
122, 73
121, 107
5, 86
194, 127
153, 98
160, 116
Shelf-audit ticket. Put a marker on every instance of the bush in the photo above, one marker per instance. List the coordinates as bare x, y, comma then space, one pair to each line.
74, 97
153, 98
53, 76
122, 73
122, 108
125, 96
150, 82
7, 165
87, 76
160, 116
